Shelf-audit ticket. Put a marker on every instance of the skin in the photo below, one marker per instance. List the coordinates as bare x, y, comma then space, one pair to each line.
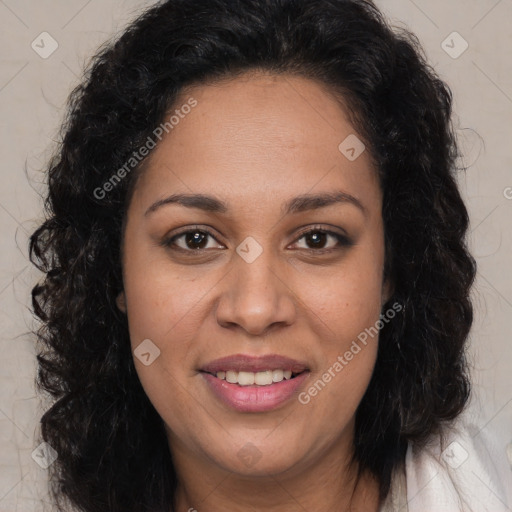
256, 142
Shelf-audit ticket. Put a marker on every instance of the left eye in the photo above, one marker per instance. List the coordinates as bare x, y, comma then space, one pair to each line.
317, 238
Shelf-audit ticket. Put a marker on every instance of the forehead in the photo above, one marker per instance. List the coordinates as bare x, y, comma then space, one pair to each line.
257, 134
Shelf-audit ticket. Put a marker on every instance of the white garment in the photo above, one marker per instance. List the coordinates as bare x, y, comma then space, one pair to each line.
460, 471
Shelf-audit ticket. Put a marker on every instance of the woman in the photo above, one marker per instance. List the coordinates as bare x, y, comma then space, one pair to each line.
257, 283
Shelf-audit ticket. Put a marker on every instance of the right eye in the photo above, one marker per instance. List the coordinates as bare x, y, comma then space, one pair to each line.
192, 240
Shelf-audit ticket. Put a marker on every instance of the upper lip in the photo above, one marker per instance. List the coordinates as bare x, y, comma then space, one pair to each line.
249, 363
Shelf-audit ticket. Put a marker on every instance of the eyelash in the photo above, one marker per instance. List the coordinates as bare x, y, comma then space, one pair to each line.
342, 240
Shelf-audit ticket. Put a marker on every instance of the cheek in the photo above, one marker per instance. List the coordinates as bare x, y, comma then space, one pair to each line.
161, 299
349, 297
349, 315
164, 307
348, 305
347, 344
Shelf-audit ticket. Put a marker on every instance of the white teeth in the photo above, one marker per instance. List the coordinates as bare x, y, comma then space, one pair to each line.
245, 378
264, 378
231, 376
277, 375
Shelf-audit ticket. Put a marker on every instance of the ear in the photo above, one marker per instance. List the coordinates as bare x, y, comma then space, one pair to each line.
121, 302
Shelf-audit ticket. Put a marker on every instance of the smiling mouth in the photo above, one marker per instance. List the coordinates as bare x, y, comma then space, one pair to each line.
263, 378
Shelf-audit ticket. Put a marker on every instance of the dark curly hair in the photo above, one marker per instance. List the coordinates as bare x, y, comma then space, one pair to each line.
111, 443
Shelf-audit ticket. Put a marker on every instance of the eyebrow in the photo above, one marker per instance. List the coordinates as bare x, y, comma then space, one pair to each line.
302, 203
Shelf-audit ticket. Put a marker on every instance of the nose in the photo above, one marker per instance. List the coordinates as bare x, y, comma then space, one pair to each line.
257, 296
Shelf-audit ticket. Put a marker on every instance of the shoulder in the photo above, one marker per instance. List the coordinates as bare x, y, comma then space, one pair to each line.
459, 470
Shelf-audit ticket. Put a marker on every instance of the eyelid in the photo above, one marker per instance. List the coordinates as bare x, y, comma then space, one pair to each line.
318, 227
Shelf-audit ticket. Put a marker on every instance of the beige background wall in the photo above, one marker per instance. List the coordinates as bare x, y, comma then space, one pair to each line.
32, 95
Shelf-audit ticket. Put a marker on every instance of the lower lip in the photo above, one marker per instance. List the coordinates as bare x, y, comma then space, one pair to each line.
255, 398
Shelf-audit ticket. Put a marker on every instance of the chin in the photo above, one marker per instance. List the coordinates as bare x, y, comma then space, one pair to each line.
260, 464
260, 458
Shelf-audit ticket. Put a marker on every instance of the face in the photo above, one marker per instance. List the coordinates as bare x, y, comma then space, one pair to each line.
256, 276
